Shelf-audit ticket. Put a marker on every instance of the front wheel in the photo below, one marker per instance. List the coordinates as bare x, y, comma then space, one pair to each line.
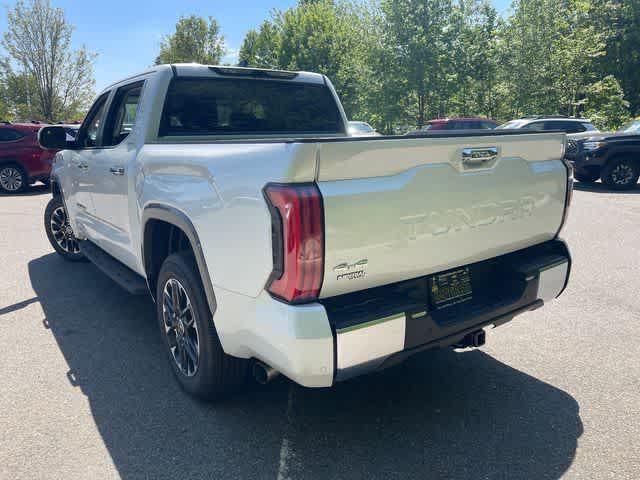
13, 179
621, 174
189, 335
59, 231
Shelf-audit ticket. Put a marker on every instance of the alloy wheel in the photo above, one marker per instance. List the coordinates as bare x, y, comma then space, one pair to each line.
180, 327
11, 179
62, 231
622, 174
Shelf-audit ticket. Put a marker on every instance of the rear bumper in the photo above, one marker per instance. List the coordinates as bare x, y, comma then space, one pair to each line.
318, 344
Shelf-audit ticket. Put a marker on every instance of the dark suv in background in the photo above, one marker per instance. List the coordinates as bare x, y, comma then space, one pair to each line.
612, 157
22, 161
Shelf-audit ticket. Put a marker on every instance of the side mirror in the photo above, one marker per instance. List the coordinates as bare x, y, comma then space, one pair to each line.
54, 138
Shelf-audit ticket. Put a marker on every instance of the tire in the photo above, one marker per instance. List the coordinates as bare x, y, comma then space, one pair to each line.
590, 176
13, 178
621, 174
191, 342
60, 233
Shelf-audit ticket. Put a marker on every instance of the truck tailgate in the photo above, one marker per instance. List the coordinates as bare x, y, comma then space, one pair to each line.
397, 209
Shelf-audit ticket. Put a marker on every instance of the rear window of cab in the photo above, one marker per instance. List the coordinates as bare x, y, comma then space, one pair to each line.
221, 106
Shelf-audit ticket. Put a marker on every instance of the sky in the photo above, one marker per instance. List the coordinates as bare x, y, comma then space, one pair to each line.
126, 34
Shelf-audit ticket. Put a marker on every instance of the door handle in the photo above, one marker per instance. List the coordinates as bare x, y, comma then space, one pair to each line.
117, 170
82, 166
475, 156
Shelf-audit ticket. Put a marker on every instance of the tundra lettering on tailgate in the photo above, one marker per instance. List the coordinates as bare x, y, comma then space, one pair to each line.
441, 222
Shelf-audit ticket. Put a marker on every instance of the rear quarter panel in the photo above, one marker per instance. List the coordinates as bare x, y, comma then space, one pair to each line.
219, 187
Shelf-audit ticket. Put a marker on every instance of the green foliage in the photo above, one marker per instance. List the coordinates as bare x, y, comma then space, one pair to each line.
195, 39
261, 48
398, 63
43, 78
605, 104
402, 62
619, 23
322, 36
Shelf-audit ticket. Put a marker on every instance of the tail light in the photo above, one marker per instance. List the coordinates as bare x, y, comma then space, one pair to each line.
298, 241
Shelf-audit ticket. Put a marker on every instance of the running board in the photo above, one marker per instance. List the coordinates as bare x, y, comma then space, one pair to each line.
115, 270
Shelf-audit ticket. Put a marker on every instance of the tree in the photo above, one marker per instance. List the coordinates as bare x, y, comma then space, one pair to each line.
317, 35
195, 39
605, 104
261, 48
38, 40
619, 22
420, 37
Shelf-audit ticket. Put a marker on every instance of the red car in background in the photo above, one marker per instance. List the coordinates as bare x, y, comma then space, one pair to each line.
22, 161
460, 123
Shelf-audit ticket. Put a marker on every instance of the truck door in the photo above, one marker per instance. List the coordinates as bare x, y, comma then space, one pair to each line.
112, 167
80, 175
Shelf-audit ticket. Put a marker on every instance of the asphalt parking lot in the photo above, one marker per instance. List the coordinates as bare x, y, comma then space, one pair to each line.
86, 391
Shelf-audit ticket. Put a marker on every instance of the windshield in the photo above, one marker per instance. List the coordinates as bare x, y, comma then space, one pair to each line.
631, 127
512, 124
360, 127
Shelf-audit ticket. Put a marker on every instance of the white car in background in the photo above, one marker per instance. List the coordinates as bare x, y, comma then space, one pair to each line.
361, 129
577, 126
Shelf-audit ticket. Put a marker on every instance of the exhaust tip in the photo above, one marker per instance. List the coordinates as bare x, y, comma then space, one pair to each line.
263, 373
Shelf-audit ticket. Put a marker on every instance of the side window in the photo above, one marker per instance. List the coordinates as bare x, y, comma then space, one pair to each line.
573, 127
122, 114
88, 134
562, 126
9, 135
536, 126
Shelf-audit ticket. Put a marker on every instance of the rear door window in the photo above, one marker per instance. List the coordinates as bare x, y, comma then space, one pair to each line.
535, 126
221, 106
564, 126
9, 135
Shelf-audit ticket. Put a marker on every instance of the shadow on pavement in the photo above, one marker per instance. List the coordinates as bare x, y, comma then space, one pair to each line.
602, 188
38, 189
440, 415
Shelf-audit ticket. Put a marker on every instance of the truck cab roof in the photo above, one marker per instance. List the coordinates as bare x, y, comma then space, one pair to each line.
197, 70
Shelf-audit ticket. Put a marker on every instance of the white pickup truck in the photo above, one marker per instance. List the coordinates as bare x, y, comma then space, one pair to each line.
273, 242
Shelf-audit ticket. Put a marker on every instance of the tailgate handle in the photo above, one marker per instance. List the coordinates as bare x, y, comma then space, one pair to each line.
475, 156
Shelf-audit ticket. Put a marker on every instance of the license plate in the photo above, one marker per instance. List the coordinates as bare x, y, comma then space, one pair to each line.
451, 288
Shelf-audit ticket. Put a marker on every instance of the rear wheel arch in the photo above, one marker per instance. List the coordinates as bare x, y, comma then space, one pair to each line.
167, 230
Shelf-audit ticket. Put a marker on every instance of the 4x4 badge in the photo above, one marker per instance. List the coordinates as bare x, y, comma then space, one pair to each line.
351, 271
345, 267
